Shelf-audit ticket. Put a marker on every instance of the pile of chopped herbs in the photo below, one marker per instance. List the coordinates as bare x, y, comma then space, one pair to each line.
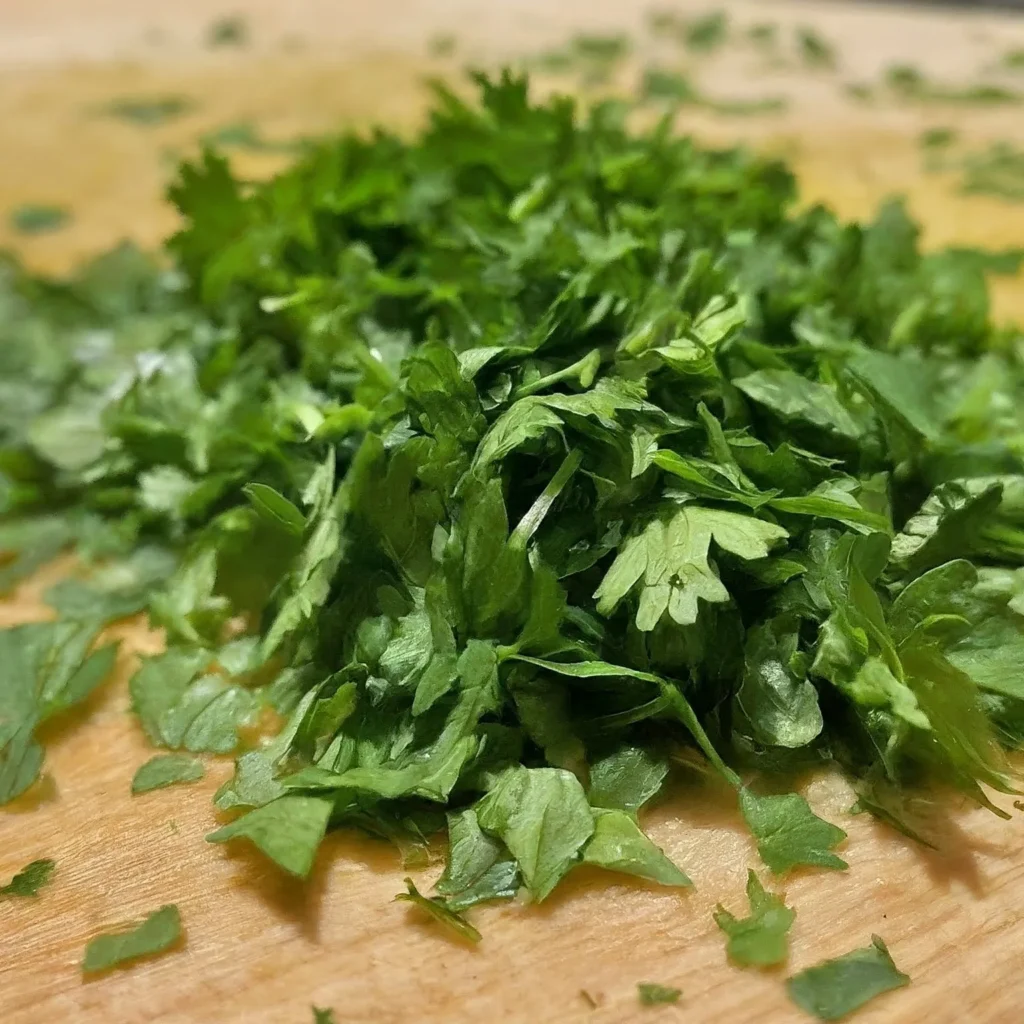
494, 473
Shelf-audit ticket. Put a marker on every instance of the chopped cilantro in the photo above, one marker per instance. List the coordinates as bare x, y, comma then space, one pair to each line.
30, 879
760, 939
503, 466
837, 987
166, 770
149, 112
440, 911
156, 934
232, 30
789, 833
38, 218
652, 994
815, 50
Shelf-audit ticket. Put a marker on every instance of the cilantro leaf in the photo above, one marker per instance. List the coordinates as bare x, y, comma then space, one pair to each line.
30, 879
440, 911
760, 939
48, 670
542, 816
626, 779
837, 987
671, 560
652, 994
619, 845
158, 933
479, 868
288, 830
166, 770
789, 833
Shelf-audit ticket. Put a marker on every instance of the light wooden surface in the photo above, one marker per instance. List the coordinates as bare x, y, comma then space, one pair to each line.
262, 948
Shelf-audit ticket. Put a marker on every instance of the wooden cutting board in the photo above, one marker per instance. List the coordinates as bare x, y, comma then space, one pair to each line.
263, 948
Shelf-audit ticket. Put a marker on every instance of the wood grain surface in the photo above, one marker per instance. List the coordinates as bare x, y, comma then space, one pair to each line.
262, 948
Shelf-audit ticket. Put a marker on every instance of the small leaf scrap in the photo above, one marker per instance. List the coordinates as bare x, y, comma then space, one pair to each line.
154, 935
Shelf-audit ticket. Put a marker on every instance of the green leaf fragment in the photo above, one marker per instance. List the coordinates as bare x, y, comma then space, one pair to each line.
156, 934
288, 830
30, 879
542, 816
835, 988
166, 770
618, 844
441, 912
759, 940
789, 834
652, 994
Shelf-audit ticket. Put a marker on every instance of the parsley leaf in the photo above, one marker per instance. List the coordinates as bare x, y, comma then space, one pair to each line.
760, 939
789, 833
166, 770
156, 934
652, 994
619, 845
837, 987
30, 879
288, 830
439, 910
542, 816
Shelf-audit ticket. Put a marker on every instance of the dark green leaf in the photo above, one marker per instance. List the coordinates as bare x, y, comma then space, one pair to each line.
166, 770
652, 994
157, 933
789, 833
759, 940
288, 830
837, 987
440, 911
542, 816
619, 845
30, 879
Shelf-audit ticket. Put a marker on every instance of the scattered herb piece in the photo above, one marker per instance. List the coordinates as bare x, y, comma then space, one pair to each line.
439, 911
30, 879
166, 770
910, 83
288, 830
323, 1016
663, 85
157, 933
706, 33
652, 994
995, 171
789, 833
595, 57
150, 112
939, 138
764, 34
759, 940
232, 30
48, 670
442, 45
815, 50
38, 219
837, 987
1013, 59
